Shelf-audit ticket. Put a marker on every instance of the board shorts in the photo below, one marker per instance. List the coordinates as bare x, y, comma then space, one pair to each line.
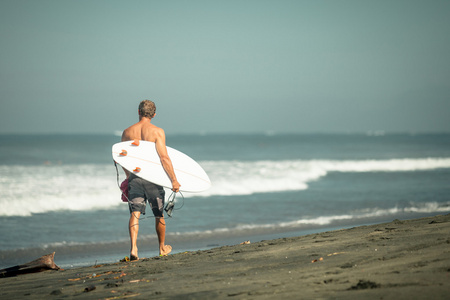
141, 191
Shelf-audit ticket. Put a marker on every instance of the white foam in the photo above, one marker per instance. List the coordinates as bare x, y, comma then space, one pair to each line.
244, 178
39, 189
430, 207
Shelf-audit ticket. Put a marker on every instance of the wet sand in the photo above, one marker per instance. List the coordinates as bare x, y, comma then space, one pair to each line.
397, 260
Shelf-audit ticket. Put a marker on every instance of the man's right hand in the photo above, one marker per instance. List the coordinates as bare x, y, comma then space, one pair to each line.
175, 186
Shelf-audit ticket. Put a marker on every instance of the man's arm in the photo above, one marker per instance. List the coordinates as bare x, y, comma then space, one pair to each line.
165, 159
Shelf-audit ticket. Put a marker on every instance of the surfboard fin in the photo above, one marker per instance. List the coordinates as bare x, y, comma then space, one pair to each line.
137, 170
123, 153
135, 143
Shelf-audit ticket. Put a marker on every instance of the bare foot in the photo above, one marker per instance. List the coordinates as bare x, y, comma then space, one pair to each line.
133, 257
165, 251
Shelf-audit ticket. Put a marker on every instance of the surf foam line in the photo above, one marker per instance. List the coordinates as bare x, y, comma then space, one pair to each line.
28, 190
248, 177
371, 213
355, 218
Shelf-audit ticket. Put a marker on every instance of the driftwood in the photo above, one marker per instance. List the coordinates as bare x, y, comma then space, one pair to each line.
43, 263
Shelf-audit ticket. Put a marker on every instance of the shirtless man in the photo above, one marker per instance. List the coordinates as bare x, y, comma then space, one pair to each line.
141, 191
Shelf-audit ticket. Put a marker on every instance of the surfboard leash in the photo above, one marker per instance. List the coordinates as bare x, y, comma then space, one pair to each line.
170, 206
118, 181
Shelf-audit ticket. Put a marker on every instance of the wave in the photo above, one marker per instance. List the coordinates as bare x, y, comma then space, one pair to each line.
245, 178
329, 220
424, 208
27, 190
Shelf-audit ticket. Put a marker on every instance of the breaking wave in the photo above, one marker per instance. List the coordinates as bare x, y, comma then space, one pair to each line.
27, 190
244, 178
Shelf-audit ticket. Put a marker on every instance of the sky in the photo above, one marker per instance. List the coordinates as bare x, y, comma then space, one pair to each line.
225, 66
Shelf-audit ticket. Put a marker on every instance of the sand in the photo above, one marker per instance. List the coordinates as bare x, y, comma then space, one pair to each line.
398, 260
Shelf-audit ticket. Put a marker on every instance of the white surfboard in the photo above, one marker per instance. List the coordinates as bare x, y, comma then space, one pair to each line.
142, 159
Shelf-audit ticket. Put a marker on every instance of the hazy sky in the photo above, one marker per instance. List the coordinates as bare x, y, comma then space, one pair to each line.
225, 66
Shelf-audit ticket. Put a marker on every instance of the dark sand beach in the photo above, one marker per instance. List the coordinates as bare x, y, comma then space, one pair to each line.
397, 260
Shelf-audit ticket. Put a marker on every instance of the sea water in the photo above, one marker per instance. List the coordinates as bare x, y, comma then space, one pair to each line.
60, 193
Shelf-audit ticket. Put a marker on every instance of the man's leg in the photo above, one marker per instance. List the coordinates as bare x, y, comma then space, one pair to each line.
134, 229
160, 225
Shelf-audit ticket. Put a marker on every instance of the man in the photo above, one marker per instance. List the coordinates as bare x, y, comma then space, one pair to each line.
141, 191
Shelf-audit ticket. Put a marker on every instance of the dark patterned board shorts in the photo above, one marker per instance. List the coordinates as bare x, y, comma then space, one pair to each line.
141, 191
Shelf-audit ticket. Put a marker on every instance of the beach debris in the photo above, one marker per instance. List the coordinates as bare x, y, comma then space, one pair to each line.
56, 293
125, 259
128, 294
435, 222
335, 253
89, 288
347, 266
245, 243
43, 263
97, 266
364, 284
121, 275
74, 279
316, 260
142, 280
94, 275
113, 285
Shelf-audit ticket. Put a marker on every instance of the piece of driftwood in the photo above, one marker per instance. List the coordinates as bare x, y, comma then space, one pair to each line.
43, 263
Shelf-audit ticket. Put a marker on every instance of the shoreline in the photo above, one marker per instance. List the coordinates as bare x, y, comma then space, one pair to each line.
396, 260
88, 254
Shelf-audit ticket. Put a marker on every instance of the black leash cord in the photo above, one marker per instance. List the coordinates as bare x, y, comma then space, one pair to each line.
170, 206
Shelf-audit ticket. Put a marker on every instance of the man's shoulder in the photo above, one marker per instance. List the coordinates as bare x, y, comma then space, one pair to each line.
151, 128
153, 132
127, 134
159, 130
131, 127
148, 132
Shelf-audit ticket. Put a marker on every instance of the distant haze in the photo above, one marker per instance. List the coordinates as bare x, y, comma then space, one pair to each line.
225, 66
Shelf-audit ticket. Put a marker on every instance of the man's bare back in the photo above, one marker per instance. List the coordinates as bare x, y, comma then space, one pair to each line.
146, 131
142, 130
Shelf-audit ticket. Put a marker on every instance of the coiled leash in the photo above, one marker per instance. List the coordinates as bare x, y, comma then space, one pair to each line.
170, 206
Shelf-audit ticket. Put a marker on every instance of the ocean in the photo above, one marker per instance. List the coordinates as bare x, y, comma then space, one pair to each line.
59, 193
